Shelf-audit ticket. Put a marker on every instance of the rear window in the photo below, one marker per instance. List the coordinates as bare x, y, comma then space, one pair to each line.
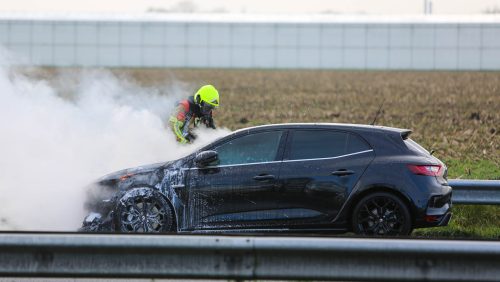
415, 147
315, 144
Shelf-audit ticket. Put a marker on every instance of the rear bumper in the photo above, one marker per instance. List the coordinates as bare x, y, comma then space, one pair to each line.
437, 220
445, 219
434, 220
437, 210
436, 216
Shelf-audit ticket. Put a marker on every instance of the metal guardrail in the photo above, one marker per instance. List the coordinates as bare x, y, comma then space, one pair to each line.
475, 192
149, 256
180, 256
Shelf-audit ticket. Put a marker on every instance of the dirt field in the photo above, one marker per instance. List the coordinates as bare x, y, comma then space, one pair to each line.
455, 113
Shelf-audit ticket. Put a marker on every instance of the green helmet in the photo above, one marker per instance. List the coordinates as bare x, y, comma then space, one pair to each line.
208, 95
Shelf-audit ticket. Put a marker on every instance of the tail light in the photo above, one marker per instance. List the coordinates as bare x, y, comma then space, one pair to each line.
429, 170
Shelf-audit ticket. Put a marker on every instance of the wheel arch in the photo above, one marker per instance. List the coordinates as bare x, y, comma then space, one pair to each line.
381, 188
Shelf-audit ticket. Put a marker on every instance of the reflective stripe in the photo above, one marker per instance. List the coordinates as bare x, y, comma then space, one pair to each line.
176, 127
287, 161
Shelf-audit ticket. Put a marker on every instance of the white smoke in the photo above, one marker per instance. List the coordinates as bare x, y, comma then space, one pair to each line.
58, 136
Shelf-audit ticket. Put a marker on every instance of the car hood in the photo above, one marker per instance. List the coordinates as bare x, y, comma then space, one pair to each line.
133, 171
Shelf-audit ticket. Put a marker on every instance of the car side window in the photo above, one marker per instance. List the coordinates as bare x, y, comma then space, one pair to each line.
356, 144
253, 148
315, 144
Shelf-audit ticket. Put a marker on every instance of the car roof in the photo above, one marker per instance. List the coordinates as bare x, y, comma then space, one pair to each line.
340, 126
377, 136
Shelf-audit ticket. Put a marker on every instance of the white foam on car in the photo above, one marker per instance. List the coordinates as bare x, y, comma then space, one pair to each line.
58, 136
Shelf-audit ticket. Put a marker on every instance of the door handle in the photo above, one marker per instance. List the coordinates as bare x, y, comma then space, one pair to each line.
342, 172
264, 177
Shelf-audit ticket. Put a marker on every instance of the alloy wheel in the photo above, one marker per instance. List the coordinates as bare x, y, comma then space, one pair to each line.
141, 214
381, 215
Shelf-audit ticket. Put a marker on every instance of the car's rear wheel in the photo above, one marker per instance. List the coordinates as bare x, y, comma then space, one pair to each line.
381, 214
144, 210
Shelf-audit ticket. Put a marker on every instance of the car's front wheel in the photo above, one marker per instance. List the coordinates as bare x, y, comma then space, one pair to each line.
381, 214
144, 210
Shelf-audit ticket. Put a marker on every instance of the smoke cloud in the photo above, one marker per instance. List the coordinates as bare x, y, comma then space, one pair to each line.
58, 136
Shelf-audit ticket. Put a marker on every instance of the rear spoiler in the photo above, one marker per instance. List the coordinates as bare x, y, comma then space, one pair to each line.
405, 133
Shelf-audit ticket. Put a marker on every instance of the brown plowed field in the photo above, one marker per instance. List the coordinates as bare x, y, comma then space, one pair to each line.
455, 113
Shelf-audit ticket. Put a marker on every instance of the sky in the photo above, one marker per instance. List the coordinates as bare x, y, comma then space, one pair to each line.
254, 6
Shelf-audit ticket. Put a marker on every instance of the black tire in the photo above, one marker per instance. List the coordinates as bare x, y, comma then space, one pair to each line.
143, 210
381, 214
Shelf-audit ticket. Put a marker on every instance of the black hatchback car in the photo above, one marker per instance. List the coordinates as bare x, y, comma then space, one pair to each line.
310, 178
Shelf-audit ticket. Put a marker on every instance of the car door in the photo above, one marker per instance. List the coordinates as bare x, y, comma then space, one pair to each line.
319, 170
241, 190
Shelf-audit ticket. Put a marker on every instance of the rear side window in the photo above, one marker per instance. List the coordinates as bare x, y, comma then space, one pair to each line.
315, 144
356, 144
415, 147
254, 148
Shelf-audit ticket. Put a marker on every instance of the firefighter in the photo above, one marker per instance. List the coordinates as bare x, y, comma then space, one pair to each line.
193, 111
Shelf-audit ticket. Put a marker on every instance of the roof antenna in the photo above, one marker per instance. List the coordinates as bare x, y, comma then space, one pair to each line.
378, 112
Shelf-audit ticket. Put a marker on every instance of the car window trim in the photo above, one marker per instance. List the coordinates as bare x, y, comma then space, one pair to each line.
329, 158
220, 166
286, 161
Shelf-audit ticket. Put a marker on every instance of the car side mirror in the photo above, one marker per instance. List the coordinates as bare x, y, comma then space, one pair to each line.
206, 158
